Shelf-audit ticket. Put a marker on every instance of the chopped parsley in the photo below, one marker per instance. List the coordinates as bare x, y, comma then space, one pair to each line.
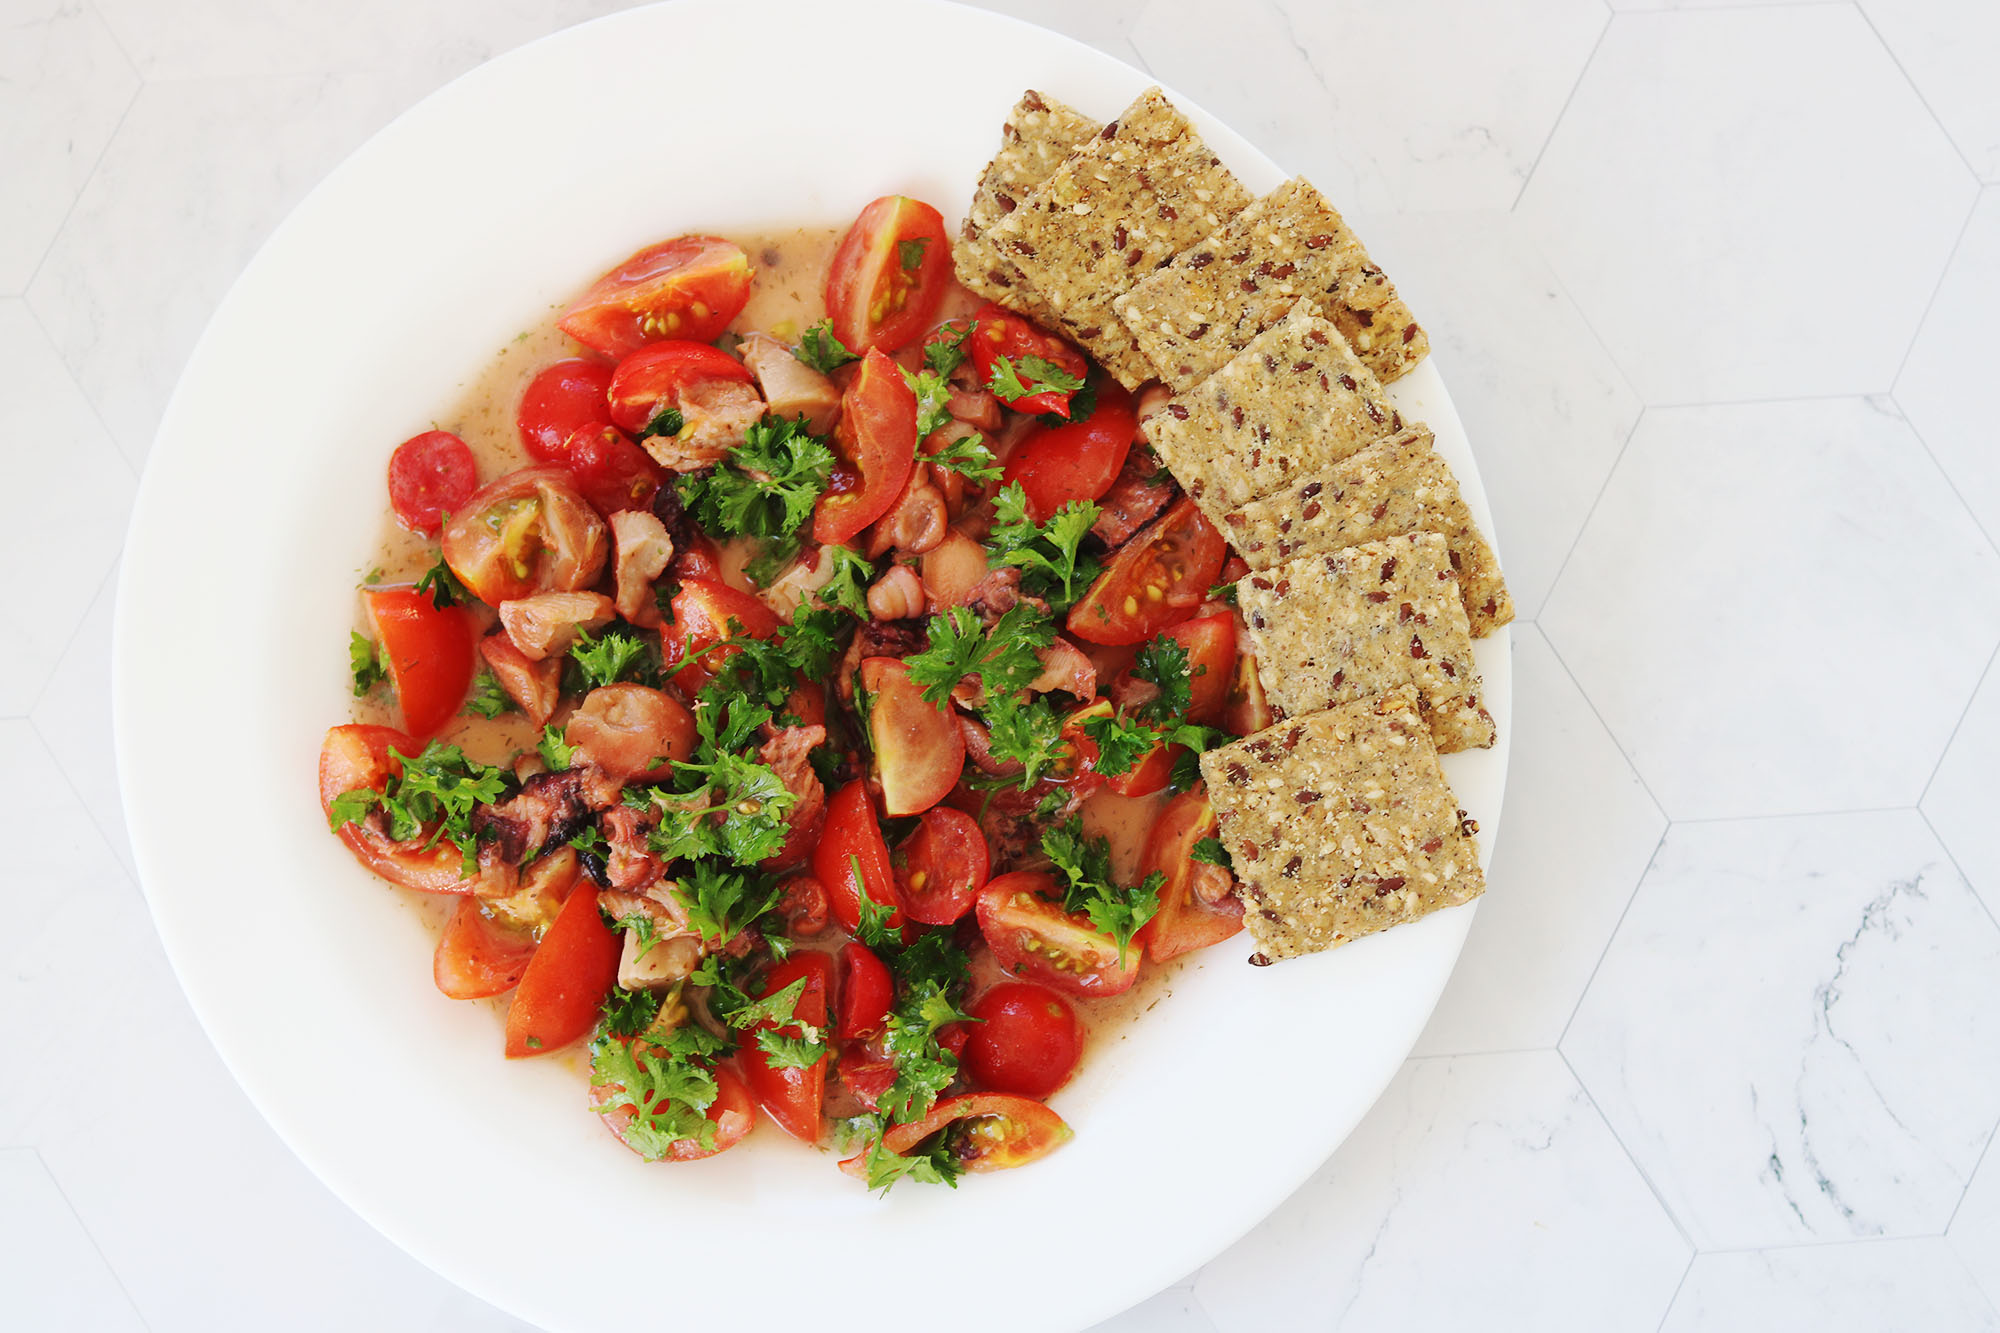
934, 1164
765, 488
820, 350
1084, 864
616, 655
1212, 852
1082, 404
556, 751
929, 973
368, 663
968, 456
1047, 553
1027, 732
1121, 742
946, 350
910, 253
627, 1013
1162, 661
1003, 658
439, 787
443, 586
720, 902
488, 698
848, 587
1013, 380
668, 1085
667, 421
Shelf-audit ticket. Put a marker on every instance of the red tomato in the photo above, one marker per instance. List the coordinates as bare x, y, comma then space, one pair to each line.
1152, 773
1154, 581
1001, 332
689, 287
430, 655
888, 275
1058, 464
1022, 918
566, 981
987, 1131
656, 376
612, 472
803, 906
526, 532
704, 610
1027, 1040
698, 557
477, 956
792, 1097
876, 440
732, 1113
1245, 710
917, 744
354, 757
853, 836
1198, 905
865, 992
1210, 642
942, 866
429, 476
866, 1075
562, 400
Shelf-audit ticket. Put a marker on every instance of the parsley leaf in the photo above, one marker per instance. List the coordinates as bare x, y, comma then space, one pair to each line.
933, 400
669, 1088
720, 802
666, 421
968, 456
1082, 405
930, 971
611, 657
439, 787
628, 1012
488, 698
1013, 380
1003, 657
852, 573
556, 751
787, 1041
910, 253
1212, 852
1085, 864
369, 663
1024, 731
443, 586
1121, 742
946, 351
1163, 661
819, 349
1046, 553
932, 1164
720, 903
767, 485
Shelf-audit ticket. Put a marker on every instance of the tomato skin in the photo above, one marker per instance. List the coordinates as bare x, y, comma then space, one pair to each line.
733, 1114
918, 747
612, 472
1155, 581
430, 475
1056, 465
566, 981
1152, 773
866, 991
703, 612
1033, 939
942, 866
998, 1130
876, 303
1026, 1042
565, 397
356, 756
1197, 905
853, 833
430, 654
792, 1097
1000, 332
477, 956
689, 287
654, 378
527, 532
876, 440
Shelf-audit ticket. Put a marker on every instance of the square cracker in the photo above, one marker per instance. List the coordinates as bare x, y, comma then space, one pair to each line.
1293, 403
1197, 312
1340, 823
1039, 133
1394, 486
1120, 206
1334, 627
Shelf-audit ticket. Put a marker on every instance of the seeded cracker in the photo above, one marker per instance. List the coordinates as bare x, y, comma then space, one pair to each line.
1340, 824
1122, 205
1333, 628
1040, 132
1196, 313
1396, 486
1293, 403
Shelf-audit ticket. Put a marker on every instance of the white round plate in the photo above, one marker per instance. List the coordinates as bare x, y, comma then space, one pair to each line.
472, 217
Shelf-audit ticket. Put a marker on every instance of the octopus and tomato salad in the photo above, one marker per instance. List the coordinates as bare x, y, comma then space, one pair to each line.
800, 715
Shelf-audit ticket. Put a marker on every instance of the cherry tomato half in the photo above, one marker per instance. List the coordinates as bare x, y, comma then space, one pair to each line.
918, 747
612, 472
888, 275
1156, 580
1198, 905
566, 981
1027, 1040
1002, 333
524, 533
430, 654
657, 376
986, 1131
866, 990
792, 1097
430, 475
876, 440
564, 398
733, 1114
689, 287
1022, 918
356, 756
853, 838
1058, 464
942, 866
704, 611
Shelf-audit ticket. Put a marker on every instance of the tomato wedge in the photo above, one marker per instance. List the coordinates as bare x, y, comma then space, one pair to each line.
1152, 773
704, 611
357, 756
1156, 580
1000, 333
566, 981
430, 654
733, 1114
1198, 905
876, 440
429, 476
1022, 918
524, 533
866, 990
918, 747
689, 287
888, 275
478, 956
612, 472
853, 838
792, 1097
986, 1131
1245, 711
655, 378
942, 866
1027, 1040
565, 397
1078, 461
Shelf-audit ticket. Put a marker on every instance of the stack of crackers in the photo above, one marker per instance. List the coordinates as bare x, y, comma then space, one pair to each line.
1276, 334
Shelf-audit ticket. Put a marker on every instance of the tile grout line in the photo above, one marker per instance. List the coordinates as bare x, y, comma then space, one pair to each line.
1583, 71
1971, 1176
1555, 581
91, 1236
1925, 102
1610, 939
1952, 857
1950, 483
96, 412
1675, 1299
1632, 1159
1937, 288
110, 575
96, 163
1957, 727
1659, 806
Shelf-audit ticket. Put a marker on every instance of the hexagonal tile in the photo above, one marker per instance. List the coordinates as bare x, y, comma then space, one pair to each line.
73, 718
53, 1276
1947, 47
1713, 173
1473, 1181
1578, 833
1944, 385
1421, 105
1778, 608
75, 492
1545, 407
1856, 1288
1959, 801
1793, 1030
1975, 1229
63, 86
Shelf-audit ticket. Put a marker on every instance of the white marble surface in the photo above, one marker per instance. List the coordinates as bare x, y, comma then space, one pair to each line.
1716, 286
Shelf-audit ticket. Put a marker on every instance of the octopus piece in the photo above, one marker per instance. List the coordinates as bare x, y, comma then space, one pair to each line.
997, 594
629, 864
877, 638
715, 414
641, 550
788, 753
535, 687
549, 808
916, 523
802, 578
1141, 490
897, 595
630, 731
977, 408
791, 387
1065, 667
674, 950
546, 624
